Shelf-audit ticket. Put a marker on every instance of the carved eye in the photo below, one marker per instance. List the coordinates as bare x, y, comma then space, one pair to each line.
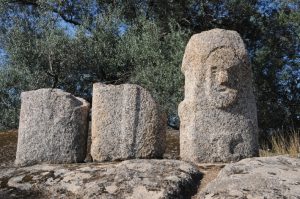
213, 70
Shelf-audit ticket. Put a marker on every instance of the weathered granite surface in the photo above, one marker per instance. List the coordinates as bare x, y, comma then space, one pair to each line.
126, 123
129, 179
218, 114
260, 178
53, 127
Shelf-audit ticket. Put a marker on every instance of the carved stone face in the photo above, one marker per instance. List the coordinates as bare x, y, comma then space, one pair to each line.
222, 77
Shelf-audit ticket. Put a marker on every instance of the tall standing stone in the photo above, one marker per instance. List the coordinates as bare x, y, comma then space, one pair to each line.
126, 123
53, 128
218, 114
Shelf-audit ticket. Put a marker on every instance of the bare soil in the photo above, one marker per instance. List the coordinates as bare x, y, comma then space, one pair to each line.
8, 147
172, 147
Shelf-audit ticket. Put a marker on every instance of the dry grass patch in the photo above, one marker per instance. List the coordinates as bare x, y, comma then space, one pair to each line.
282, 144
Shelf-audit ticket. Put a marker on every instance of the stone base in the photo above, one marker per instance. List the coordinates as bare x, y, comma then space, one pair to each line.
265, 177
128, 179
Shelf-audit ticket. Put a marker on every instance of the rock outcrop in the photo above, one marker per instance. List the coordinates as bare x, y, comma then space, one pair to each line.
266, 178
218, 114
129, 179
53, 128
126, 124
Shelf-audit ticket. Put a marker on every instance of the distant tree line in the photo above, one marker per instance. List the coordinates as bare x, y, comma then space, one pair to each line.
73, 44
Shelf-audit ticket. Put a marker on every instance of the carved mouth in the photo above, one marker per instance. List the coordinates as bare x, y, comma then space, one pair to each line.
222, 89
224, 84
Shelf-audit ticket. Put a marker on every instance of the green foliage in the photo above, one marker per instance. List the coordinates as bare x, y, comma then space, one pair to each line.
12, 83
155, 60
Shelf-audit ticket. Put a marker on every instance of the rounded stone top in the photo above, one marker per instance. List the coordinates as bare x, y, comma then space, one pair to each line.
201, 45
36, 94
100, 84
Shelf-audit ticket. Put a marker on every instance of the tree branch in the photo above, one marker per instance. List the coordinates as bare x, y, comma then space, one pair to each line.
25, 2
65, 18
36, 4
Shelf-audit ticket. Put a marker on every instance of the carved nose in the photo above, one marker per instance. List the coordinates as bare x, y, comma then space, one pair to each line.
223, 77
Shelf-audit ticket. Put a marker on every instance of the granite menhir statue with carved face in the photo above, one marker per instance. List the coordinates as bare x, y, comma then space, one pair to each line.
218, 114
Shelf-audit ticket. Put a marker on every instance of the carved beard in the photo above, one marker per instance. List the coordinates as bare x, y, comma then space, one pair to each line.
221, 96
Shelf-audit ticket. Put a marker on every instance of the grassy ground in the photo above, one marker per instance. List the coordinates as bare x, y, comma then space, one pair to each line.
282, 143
